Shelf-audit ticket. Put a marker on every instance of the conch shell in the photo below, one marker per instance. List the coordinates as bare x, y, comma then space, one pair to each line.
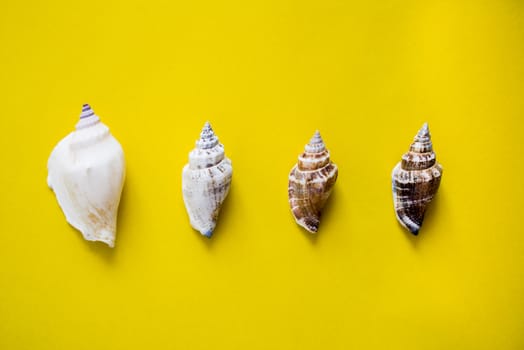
415, 181
205, 181
86, 170
310, 183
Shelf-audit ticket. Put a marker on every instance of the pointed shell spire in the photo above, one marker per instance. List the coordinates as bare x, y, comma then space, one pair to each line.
87, 117
423, 133
316, 144
422, 141
315, 155
420, 155
208, 139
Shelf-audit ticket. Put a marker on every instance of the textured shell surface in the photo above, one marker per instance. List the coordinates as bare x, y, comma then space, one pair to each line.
206, 180
415, 180
310, 183
86, 171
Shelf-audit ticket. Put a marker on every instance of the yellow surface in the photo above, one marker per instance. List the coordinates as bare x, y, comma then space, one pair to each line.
266, 74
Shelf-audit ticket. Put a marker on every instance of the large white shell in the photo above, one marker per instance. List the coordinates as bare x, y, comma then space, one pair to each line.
205, 181
86, 170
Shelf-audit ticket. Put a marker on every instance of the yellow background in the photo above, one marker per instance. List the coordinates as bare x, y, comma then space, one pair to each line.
266, 74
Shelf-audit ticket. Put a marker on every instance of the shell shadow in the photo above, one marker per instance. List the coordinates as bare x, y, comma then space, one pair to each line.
122, 221
103, 250
312, 237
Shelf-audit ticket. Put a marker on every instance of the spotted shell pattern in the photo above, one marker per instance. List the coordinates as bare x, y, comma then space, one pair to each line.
206, 180
310, 183
416, 179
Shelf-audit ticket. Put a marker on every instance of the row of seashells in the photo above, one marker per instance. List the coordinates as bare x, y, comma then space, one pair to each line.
86, 170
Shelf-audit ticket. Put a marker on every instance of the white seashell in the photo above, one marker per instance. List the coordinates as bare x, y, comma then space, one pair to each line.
205, 181
86, 170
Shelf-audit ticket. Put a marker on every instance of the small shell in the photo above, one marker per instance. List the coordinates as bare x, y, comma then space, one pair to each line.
205, 181
86, 170
310, 183
415, 181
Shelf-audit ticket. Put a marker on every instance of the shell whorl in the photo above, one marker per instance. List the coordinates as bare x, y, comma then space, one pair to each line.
207, 139
416, 179
315, 154
310, 183
420, 155
87, 117
316, 144
89, 130
208, 151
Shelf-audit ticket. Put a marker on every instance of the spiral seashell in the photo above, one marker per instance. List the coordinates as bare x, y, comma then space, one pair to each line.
416, 180
205, 181
310, 183
86, 170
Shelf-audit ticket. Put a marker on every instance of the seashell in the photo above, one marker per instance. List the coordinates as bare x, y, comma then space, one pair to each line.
310, 183
415, 181
86, 170
205, 181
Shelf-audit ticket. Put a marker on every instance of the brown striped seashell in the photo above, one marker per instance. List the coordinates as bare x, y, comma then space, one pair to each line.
416, 179
310, 183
